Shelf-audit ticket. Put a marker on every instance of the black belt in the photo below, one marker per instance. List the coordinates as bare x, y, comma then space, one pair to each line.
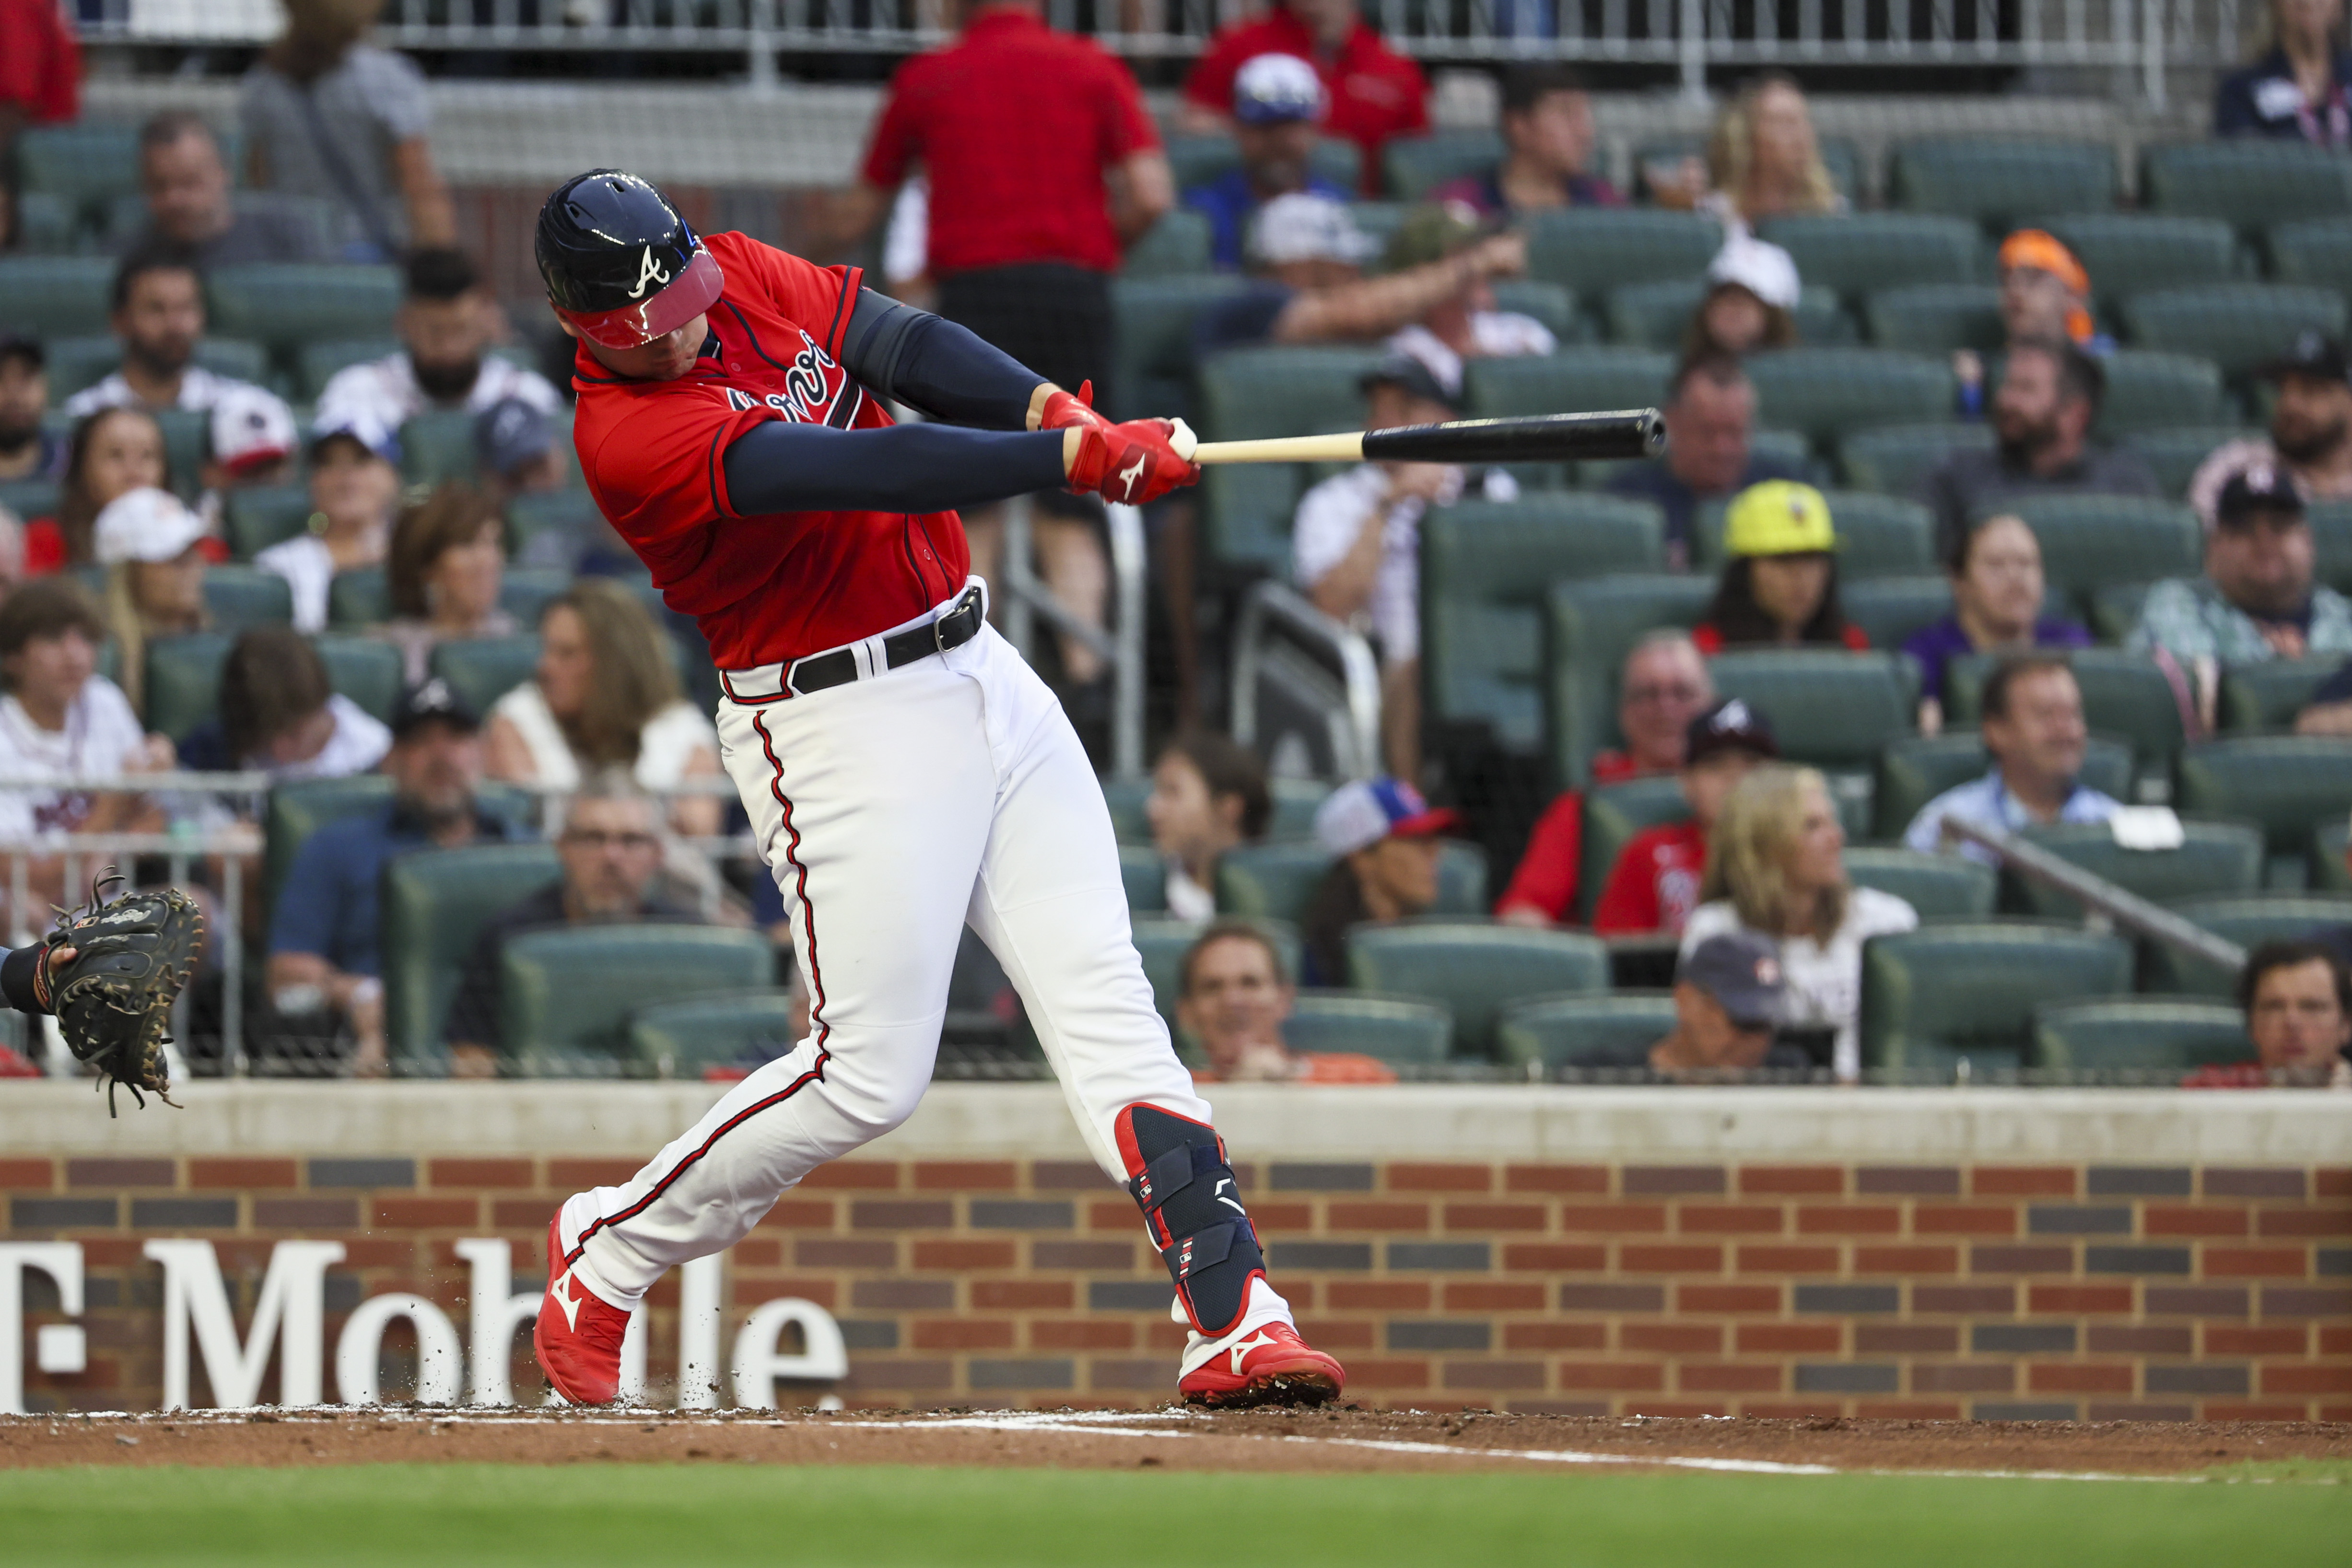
839, 668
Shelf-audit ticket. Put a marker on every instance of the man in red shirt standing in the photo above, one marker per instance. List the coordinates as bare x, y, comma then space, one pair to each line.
906, 773
40, 73
1654, 885
1376, 93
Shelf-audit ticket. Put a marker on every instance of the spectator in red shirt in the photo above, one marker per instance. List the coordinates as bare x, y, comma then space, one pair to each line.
1654, 884
1781, 585
1376, 92
40, 70
1663, 687
2297, 997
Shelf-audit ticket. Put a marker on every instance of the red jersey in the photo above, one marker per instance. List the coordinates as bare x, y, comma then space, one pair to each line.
762, 588
1015, 124
1654, 884
1376, 93
40, 62
1551, 866
1708, 639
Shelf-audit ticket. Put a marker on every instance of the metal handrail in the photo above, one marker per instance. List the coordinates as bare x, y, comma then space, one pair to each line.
1269, 604
1026, 596
2124, 907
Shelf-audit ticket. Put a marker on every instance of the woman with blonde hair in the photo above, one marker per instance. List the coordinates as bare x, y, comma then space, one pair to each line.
1762, 160
606, 696
1776, 867
446, 567
152, 547
2301, 88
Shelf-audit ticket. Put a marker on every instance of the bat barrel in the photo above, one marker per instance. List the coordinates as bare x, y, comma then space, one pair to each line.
1541, 438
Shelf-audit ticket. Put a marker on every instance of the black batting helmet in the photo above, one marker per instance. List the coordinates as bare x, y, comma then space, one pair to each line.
619, 262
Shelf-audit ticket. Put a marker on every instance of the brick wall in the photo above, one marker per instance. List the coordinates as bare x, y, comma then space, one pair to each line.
2092, 1292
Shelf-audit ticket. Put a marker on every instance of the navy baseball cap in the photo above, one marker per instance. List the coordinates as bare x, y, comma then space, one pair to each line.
434, 700
2314, 354
1359, 814
2257, 486
1414, 375
511, 433
15, 345
1731, 725
1742, 972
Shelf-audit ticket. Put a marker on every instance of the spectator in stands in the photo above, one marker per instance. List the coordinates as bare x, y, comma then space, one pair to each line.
1279, 100
1664, 687
2258, 599
606, 696
40, 70
280, 714
1997, 592
2329, 712
1465, 325
253, 445
1376, 93
445, 571
28, 449
1547, 143
2311, 429
323, 948
151, 546
191, 211
354, 486
1781, 585
1384, 842
2033, 727
517, 449
2042, 418
447, 322
1763, 161
611, 848
1727, 995
1207, 796
2045, 297
1710, 415
1750, 303
1309, 256
2297, 999
330, 117
110, 454
2302, 90
1654, 885
158, 317
1356, 544
11, 551
1232, 1001
1776, 868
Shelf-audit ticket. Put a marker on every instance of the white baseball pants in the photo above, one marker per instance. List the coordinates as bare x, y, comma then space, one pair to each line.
893, 810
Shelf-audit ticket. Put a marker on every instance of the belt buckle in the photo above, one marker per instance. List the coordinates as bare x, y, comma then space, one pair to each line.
939, 626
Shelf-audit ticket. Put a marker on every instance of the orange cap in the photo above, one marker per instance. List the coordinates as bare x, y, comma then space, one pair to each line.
2036, 248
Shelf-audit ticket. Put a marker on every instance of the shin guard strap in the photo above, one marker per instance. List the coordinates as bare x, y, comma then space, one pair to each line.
1204, 1234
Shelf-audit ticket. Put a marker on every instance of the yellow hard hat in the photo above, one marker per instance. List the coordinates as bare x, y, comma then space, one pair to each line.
1779, 516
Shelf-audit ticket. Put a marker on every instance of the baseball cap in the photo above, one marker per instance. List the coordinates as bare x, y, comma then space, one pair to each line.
1741, 971
1731, 725
1358, 815
511, 433
2314, 354
1762, 267
2045, 252
1272, 89
371, 434
1778, 517
251, 429
144, 525
13, 345
1415, 375
1302, 226
1432, 232
2257, 486
431, 700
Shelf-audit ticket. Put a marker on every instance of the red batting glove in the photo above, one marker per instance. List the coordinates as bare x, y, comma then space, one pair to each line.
1063, 409
1132, 463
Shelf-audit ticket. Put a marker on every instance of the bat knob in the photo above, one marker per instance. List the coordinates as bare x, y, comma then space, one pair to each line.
1653, 432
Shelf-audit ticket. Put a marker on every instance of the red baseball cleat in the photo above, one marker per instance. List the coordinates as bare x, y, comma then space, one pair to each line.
577, 1336
1269, 1364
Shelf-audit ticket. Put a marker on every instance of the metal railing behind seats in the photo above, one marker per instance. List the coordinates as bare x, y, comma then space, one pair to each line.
1027, 599
2104, 900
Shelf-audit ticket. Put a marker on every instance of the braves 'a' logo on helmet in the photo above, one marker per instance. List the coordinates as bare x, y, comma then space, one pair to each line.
649, 271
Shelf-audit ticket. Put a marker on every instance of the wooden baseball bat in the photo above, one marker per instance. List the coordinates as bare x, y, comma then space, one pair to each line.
1540, 439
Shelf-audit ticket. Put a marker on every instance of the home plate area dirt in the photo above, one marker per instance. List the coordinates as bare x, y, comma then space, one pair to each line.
1330, 1439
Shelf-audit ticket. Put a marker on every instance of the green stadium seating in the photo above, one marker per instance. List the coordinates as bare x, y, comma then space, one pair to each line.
1145, 876
1590, 250
1485, 569
79, 363
2249, 184
54, 296
525, 590
1862, 253
2215, 857
2089, 540
1197, 160
566, 995
1655, 315
1247, 512
679, 1039
266, 515
365, 669
1590, 627
2137, 1038
1889, 609
2238, 326
1572, 380
2137, 253
1612, 815
1829, 393
237, 598
1551, 1030
1125, 798
183, 681
1154, 321
1473, 968
2124, 696
2283, 784
483, 669
1379, 221
1277, 881
1162, 942
564, 512
1969, 989
1915, 769
1251, 393
29, 497
46, 222
358, 597
2257, 697
1999, 183
1828, 708
2175, 452
1179, 242
2114, 610
2331, 862
1296, 802
316, 361
1878, 535
2148, 391
2246, 922
2314, 251
1402, 1031
1415, 166
2331, 533
1936, 318
287, 304
1940, 887
1895, 460
437, 445
300, 808
187, 438
85, 164
434, 904
1550, 303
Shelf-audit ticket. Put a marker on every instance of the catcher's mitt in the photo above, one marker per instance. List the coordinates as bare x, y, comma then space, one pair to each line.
113, 998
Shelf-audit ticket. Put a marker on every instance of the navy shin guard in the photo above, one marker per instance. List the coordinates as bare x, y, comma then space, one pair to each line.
1180, 1179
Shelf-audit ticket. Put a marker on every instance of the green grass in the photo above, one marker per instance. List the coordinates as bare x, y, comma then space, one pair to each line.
650, 1516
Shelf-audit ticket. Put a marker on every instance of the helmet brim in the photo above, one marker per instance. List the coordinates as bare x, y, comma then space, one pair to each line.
685, 297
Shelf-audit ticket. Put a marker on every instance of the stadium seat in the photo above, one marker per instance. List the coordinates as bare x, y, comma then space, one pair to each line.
2248, 921
2114, 610
679, 1039
1246, 513
2331, 533
566, 995
1153, 332
2214, 857
1473, 969
300, 808
1125, 798
46, 222
524, 591
365, 669
2124, 696
1655, 315
239, 597
1590, 627
259, 517
2257, 697
79, 363
1828, 708
2000, 183
183, 681
287, 304
1915, 769
29, 497
1179, 242
1247, 393
1277, 881
1828, 393
2137, 253
1145, 876
1161, 942
1412, 166
1197, 160
435, 903
2283, 784
1936, 318
1878, 535
53, 296
2089, 540
2238, 326
1573, 379
1969, 989
1895, 460
1590, 250
1551, 1030
1861, 253
316, 363
1889, 609
2138, 1039
2314, 251
1940, 887
1296, 802
86, 164
1402, 1031
2247, 183
2150, 391
1550, 303
483, 669
1612, 815
2174, 453
2331, 862
358, 597
1485, 569
437, 445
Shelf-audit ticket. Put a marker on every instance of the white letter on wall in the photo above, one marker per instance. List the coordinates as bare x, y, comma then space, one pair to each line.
292, 1311
63, 1347
698, 1334
494, 1311
437, 1356
758, 1364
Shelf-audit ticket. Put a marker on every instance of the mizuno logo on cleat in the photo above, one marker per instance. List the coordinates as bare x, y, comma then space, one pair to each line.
1259, 1341
561, 1292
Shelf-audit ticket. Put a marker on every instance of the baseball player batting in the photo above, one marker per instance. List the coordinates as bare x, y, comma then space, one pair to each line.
906, 773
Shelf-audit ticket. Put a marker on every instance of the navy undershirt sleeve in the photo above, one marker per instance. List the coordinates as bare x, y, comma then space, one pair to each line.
777, 467
17, 966
950, 373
